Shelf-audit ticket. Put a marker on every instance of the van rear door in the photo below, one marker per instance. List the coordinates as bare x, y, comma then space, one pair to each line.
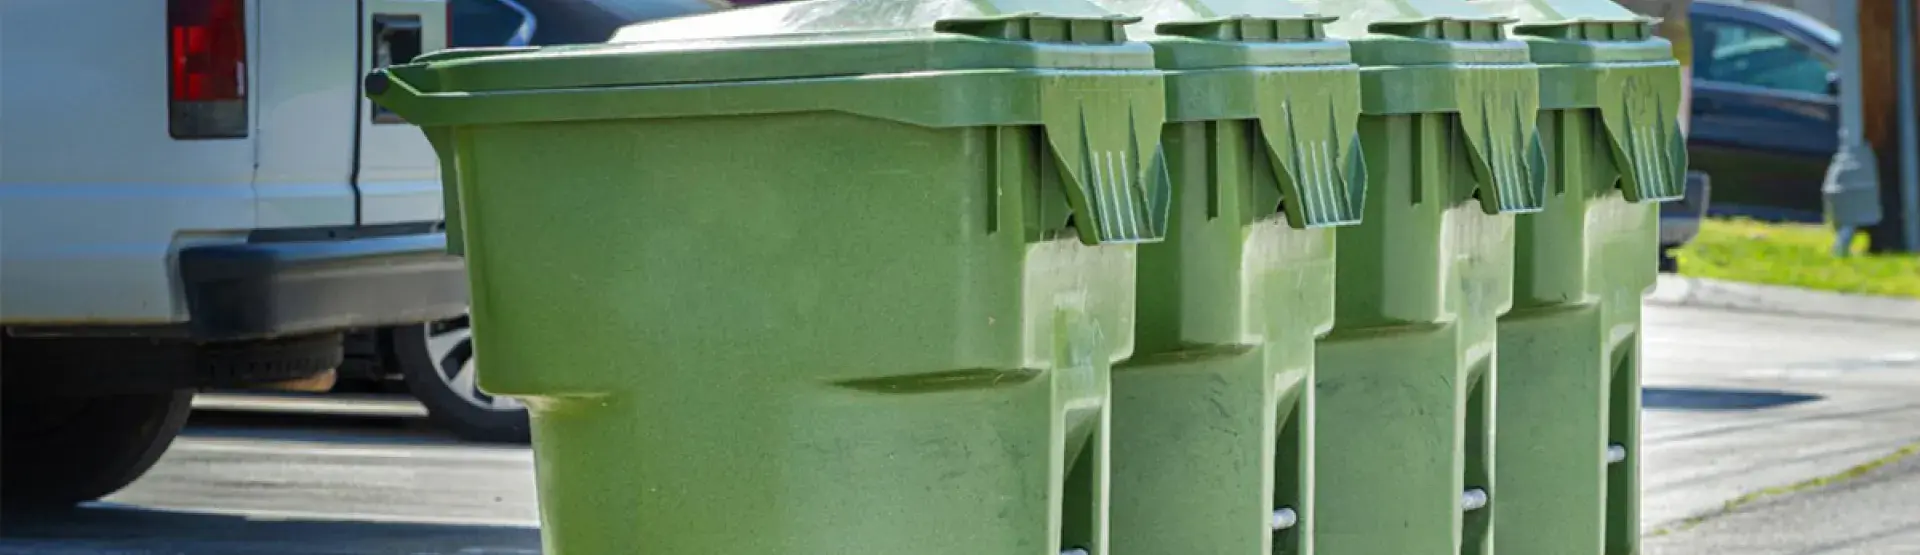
306, 86
397, 174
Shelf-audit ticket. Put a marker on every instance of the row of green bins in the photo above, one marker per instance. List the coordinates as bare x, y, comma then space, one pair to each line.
1213, 417
822, 278
1570, 349
1406, 379
859, 276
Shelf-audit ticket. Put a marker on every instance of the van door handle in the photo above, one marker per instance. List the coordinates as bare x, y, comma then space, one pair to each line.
396, 40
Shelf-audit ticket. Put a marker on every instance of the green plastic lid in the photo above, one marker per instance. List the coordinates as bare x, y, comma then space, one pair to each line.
1597, 55
1415, 32
1358, 16
1453, 56
1062, 65
820, 38
1203, 34
1582, 31
1222, 57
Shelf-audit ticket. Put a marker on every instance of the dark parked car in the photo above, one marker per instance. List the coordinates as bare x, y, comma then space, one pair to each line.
549, 22
1765, 110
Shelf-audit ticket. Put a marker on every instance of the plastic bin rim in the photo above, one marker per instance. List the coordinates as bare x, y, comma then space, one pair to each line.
924, 50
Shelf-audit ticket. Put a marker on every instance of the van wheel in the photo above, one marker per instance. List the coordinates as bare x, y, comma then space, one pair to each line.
63, 450
1668, 264
436, 360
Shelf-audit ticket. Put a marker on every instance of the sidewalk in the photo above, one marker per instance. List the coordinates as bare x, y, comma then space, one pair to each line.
1836, 383
1674, 290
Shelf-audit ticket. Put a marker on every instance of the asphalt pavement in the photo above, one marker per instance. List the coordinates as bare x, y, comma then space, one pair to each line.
1736, 402
1877, 513
359, 482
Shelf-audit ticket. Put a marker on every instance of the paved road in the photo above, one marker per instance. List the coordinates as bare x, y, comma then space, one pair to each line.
1874, 514
1738, 403
1735, 403
242, 483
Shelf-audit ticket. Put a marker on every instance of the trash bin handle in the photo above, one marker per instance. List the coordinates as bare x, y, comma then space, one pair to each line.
1310, 129
1640, 108
386, 88
1107, 144
1499, 115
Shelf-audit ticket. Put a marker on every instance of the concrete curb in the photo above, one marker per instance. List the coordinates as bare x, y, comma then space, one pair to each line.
1675, 290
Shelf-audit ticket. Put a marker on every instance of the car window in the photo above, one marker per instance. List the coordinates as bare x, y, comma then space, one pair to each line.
1744, 54
588, 21
482, 23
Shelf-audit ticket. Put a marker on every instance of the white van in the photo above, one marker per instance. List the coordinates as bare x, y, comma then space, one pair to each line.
194, 194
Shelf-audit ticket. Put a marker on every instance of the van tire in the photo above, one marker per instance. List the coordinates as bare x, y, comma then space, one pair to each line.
64, 450
436, 361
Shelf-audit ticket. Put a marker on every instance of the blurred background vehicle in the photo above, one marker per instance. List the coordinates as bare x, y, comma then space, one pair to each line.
196, 195
479, 23
1680, 219
1765, 108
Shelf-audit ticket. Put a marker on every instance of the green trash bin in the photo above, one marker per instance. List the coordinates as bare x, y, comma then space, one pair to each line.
1569, 382
831, 277
1212, 418
1406, 378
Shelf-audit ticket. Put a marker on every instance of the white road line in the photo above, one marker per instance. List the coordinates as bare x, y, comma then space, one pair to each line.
396, 406
295, 448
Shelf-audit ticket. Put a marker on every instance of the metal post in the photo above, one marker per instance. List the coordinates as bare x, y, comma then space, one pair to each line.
1909, 133
1852, 186
1852, 113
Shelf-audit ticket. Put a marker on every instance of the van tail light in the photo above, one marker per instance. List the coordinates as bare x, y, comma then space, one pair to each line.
207, 68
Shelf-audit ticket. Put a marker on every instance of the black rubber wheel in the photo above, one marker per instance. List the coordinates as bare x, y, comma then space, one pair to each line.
1668, 264
100, 366
436, 360
63, 450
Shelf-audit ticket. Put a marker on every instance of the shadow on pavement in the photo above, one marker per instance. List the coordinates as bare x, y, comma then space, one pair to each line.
96, 530
316, 428
1691, 398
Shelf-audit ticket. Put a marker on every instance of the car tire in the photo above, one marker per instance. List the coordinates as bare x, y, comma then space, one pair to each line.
1668, 264
64, 450
436, 361
113, 365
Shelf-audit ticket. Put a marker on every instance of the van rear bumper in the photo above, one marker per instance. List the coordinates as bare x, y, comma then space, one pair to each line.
275, 289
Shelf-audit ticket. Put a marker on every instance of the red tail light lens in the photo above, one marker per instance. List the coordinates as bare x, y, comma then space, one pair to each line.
207, 68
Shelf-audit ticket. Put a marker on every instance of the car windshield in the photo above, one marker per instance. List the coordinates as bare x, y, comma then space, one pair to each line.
477, 23
559, 22
1799, 21
1741, 53
643, 10
1820, 30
